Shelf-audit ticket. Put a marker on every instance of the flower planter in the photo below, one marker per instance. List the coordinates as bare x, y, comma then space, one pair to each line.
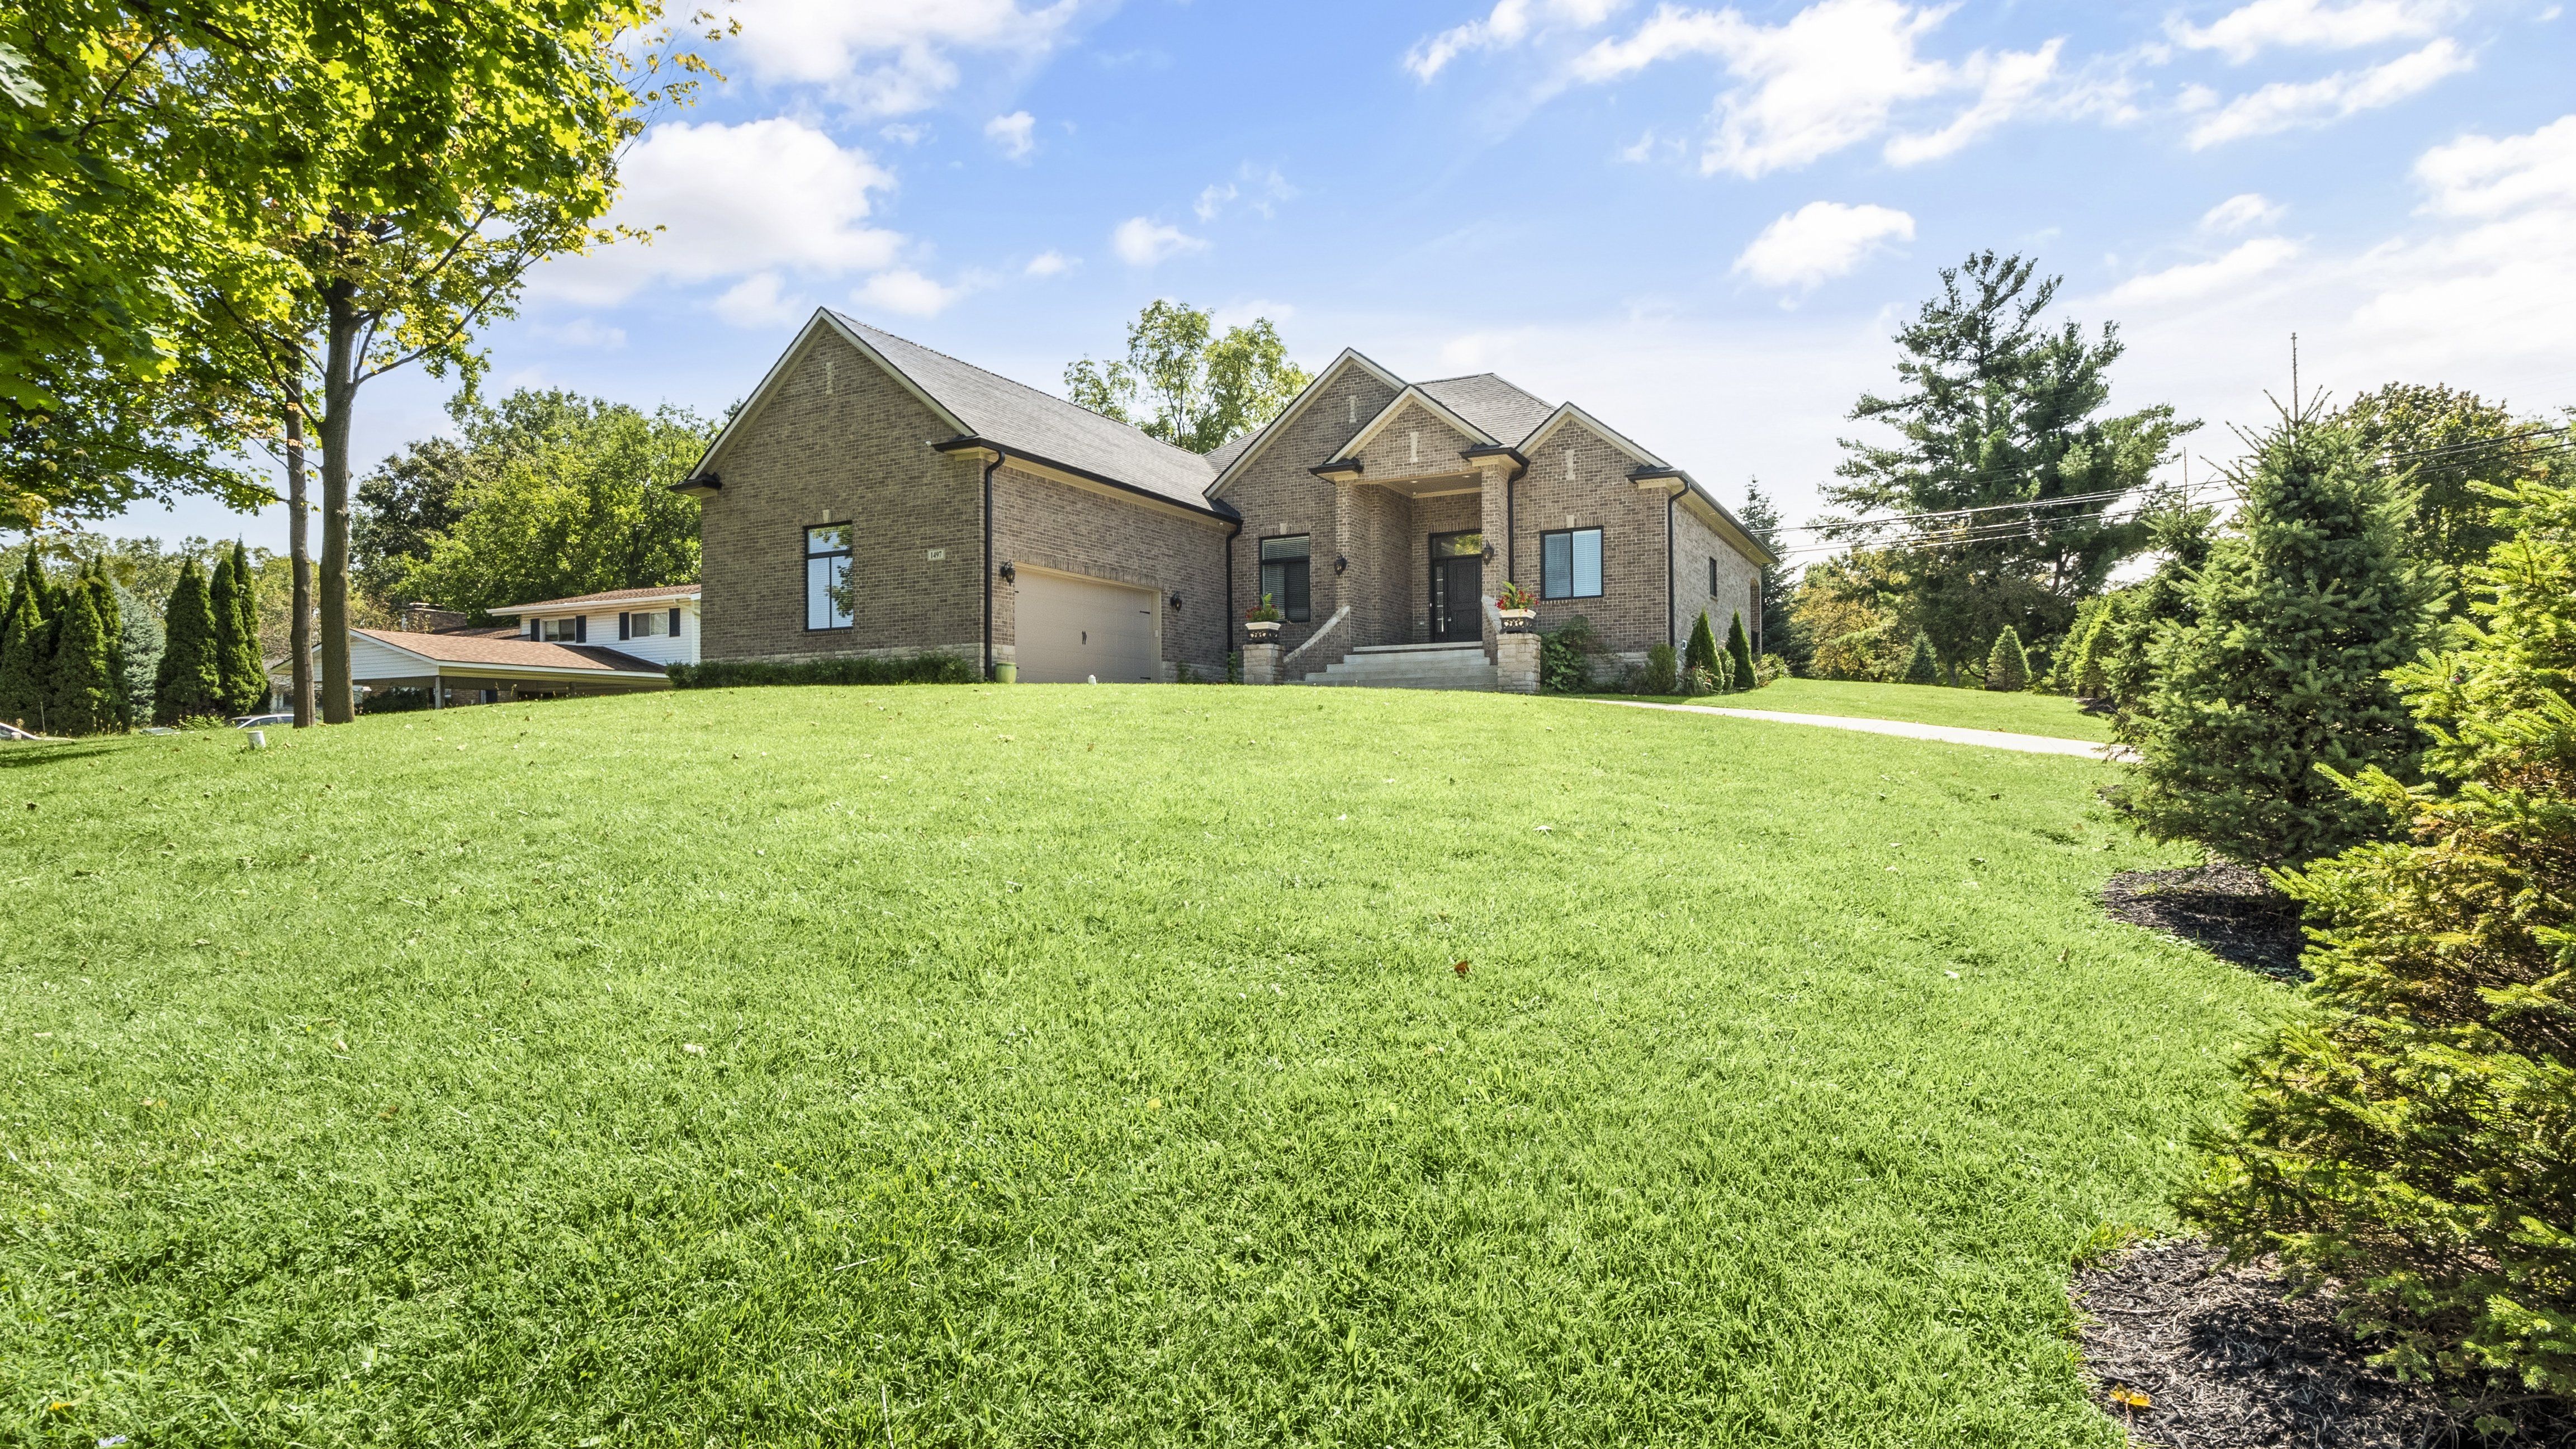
1006, 672
1516, 621
1261, 631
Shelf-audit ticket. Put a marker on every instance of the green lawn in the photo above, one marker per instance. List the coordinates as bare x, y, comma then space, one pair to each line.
1072, 1066
1976, 709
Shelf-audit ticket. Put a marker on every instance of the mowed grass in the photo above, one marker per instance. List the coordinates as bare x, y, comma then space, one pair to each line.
1933, 704
1072, 1066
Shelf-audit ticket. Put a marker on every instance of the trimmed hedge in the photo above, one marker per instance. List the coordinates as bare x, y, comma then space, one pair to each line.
911, 669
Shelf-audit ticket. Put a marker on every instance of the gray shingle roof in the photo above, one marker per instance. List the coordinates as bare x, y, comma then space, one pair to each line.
1223, 455
1016, 415
1492, 404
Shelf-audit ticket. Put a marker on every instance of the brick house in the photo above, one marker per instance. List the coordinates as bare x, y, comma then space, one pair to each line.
874, 497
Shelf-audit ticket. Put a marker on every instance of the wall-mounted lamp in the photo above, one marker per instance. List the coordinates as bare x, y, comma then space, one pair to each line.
1176, 601
1009, 574
1489, 553
1340, 563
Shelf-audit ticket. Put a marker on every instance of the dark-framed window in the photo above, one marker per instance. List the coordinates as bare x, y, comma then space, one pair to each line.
1570, 563
827, 576
650, 624
564, 631
1712, 578
1284, 576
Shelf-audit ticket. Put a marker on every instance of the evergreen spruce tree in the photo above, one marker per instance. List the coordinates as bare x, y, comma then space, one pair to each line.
22, 661
2282, 669
2091, 681
80, 696
1739, 654
2008, 664
2408, 1133
187, 684
242, 682
139, 646
1922, 668
1701, 651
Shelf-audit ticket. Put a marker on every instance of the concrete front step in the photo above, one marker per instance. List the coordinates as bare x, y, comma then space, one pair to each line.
1411, 666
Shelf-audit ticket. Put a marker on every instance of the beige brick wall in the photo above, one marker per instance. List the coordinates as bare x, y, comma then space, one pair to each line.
1414, 442
839, 441
1051, 524
1277, 497
1694, 544
1579, 479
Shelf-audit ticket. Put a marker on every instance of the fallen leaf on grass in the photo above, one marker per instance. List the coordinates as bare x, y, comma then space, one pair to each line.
1459, 966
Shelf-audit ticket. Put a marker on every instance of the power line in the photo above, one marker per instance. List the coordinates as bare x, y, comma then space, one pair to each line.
1895, 518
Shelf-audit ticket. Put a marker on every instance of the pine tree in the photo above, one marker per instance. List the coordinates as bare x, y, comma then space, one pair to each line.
139, 646
2294, 624
2007, 664
1922, 668
1739, 654
80, 697
2408, 1133
1701, 651
242, 682
187, 685
22, 661
2091, 680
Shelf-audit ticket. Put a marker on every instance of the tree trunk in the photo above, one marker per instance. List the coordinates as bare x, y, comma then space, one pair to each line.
300, 558
339, 392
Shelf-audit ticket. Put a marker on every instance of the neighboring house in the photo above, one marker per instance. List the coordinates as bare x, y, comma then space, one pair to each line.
875, 497
611, 643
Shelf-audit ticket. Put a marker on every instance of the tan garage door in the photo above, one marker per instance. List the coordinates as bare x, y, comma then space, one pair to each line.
1070, 629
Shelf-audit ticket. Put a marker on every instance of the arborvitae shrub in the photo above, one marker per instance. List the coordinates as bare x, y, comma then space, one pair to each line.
187, 685
1701, 651
1739, 654
2294, 624
2007, 664
1922, 668
22, 658
2091, 682
241, 677
81, 696
2412, 1136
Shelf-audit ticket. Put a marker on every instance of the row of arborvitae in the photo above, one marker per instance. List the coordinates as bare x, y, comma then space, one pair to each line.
67, 663
1705, 670
2415, 1136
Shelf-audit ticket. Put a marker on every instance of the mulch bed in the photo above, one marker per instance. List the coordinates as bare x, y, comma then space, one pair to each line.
2227, 1362
2228, 910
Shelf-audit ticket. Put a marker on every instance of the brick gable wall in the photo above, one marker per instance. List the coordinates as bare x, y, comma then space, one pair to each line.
836, 441
1050, 524
1578, 475
1277, 497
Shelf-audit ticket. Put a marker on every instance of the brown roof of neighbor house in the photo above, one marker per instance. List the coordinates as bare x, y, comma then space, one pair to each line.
1017, 416
612, 596
1506, 413
511, 650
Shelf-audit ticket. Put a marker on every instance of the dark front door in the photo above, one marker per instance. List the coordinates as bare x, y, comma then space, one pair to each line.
1457, 586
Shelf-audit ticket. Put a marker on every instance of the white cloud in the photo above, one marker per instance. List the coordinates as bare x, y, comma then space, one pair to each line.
2480, 176
1261, 189
889, 57
2194, 280
584, 332
907, 293
2241, 213
1141, 242
1830, 77
1508, 24
760, 300
1048, 264
904, 133
1014, 133
2286, 104
1820, 241
2249, 30
764, 196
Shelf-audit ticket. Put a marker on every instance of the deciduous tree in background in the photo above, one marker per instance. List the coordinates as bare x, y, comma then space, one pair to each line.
2448, 446
2294, 623
1187, 385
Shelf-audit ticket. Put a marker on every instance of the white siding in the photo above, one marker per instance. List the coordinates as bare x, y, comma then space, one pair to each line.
656, 649
369, 660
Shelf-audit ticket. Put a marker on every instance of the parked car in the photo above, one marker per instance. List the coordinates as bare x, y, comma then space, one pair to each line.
262, 721
9, 731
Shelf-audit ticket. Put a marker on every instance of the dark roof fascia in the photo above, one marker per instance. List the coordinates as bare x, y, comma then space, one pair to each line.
1649, 475
969, 443
1329, 470
698, 484
1497, 450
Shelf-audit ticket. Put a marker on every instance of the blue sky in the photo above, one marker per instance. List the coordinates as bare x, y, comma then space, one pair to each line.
1700, 222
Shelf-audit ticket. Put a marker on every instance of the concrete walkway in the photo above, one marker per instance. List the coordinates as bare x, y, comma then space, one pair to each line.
1947, 734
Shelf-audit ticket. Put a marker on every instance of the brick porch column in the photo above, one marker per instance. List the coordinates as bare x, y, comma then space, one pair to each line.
1493, 473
